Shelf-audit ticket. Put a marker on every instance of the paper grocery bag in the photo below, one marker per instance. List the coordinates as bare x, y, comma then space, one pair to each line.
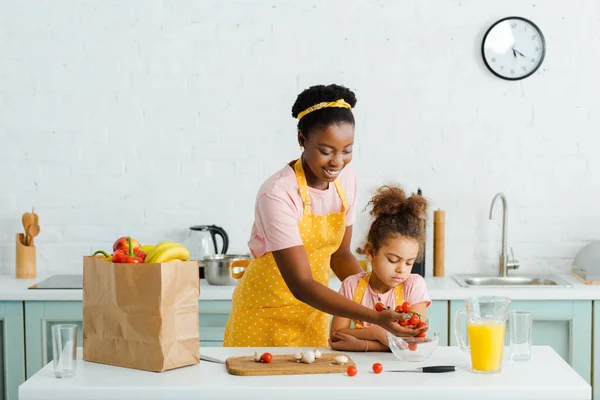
141, 316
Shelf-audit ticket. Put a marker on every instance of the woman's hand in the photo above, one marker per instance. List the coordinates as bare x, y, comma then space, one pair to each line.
388, 320
343, 341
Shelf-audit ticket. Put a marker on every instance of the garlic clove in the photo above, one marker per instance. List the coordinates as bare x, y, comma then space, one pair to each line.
341, 360
308, 357
317, 354
298, 356
256, 357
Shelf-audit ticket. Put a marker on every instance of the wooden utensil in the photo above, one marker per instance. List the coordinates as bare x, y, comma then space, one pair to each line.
285, 364
32, 232
27, 219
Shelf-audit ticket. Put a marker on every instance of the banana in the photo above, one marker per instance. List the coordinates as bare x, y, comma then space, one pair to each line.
170, 253
146, 248
156, 249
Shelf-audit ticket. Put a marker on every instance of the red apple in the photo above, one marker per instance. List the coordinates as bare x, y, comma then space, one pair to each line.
121, 244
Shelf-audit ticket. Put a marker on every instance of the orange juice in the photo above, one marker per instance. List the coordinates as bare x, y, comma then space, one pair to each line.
486, 342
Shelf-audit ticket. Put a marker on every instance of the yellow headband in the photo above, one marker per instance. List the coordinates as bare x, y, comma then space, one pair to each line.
341, 103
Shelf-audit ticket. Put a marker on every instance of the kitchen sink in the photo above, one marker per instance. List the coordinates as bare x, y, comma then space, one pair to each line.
511, 281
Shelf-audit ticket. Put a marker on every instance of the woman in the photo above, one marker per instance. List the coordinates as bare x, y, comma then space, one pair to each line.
303, 226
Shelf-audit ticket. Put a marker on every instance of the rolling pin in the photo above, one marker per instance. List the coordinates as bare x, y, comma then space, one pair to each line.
439, 221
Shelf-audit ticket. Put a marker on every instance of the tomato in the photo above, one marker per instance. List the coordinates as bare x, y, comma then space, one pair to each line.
266, 358
422, 325
412, 346
377, 368
414, 320
351, 371
403, 322
379, 306
406, 306
422, 334
398, 309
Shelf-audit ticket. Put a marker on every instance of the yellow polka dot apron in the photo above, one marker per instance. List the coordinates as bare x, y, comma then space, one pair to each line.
362, 288
264, 311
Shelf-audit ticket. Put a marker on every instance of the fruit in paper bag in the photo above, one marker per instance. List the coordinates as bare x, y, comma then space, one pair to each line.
160, 246
167, 251
146, 248
122, 244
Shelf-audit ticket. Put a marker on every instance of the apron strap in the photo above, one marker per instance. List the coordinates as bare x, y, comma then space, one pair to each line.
359, 293
302, 184
358, 296
303, 187
342, 195
399, 294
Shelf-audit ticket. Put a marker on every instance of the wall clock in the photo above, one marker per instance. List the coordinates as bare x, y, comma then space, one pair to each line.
513, 48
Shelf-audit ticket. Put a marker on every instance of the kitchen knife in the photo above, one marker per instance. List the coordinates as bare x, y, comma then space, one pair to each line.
435, 369
211, 359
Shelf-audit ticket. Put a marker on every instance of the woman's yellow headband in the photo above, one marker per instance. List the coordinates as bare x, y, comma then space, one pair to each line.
341, 103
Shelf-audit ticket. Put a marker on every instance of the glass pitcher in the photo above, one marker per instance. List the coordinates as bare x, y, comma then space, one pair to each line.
486, 325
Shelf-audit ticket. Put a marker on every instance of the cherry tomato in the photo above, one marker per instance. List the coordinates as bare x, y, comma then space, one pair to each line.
414, 320
398, 309
422, 325
266, 358
403, 322
377, 368
412, 346
379, 306
351, 371
422, 334
406, 306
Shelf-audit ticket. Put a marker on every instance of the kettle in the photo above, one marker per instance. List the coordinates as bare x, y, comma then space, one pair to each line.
202, 242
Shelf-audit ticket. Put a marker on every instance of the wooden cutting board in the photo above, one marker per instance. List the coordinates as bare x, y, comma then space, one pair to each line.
285, 364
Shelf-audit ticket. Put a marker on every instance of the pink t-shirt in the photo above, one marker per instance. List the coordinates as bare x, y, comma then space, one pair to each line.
414, 289
279, 209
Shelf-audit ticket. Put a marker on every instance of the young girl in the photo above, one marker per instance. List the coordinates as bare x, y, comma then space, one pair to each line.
393, 245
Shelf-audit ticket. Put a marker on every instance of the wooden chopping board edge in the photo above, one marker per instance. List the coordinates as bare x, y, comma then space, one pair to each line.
285, 364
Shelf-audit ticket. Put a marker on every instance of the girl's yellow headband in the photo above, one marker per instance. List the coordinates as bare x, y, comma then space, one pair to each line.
341, 103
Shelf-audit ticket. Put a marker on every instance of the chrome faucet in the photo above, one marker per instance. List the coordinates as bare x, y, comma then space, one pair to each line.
505, 263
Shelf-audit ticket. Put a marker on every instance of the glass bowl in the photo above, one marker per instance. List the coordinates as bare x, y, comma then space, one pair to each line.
413, 348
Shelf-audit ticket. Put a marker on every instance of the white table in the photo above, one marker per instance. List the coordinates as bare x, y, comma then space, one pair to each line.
547, 376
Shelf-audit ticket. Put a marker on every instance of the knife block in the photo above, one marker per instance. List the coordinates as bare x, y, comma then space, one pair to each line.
25, 260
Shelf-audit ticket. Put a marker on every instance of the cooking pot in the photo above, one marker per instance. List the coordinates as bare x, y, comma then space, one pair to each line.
225, 269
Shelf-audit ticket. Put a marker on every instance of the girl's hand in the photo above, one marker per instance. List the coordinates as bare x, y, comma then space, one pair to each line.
388, 320
346, 342
380, 334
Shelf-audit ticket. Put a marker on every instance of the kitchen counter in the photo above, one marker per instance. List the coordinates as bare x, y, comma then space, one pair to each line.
547, 376
439, 289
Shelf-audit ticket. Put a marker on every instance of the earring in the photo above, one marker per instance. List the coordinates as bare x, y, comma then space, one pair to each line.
302, 149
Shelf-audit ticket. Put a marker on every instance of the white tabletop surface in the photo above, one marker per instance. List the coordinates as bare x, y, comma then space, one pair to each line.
547, 376
444, 288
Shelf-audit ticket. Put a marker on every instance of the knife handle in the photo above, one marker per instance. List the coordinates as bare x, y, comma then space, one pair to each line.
440, 368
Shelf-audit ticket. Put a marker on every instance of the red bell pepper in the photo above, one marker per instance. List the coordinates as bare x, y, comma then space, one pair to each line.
131, 257
118, 256
140, 254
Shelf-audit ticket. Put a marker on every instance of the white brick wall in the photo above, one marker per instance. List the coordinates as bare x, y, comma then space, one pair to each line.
146, 117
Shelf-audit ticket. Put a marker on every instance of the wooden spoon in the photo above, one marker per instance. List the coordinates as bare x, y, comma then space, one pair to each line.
32, 232
35, 216
28, 220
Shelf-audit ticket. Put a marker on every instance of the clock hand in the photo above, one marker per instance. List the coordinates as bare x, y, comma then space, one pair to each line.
521, 54
514, 54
